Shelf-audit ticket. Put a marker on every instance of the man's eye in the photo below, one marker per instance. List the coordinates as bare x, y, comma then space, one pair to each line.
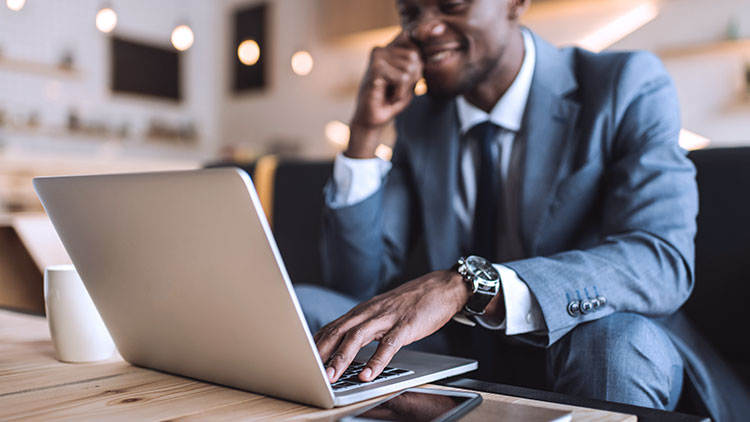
408, 14
453, 6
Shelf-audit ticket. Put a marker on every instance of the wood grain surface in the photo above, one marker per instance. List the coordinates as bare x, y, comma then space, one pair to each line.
34, 386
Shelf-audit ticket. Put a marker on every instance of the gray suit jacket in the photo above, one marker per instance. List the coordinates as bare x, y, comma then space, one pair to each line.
608, 197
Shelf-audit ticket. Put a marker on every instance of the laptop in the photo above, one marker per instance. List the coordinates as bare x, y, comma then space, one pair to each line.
188, 279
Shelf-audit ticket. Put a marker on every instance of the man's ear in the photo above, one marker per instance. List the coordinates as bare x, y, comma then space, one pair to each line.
516, 8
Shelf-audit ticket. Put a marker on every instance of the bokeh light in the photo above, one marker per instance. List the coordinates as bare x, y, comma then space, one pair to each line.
106, 20
421, 87
15, 5
182, 37
384, 152
248, 52
337, 133
302, 63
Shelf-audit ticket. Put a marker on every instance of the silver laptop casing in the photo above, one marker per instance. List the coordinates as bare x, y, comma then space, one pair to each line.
188, 279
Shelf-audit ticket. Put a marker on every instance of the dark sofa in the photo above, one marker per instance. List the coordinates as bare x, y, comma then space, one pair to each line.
722, 290
722, 257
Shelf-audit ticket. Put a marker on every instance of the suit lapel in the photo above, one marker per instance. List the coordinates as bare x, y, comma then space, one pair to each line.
436, 173
548, 133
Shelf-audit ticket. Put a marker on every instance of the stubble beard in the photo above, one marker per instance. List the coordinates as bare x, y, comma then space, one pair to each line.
470, 80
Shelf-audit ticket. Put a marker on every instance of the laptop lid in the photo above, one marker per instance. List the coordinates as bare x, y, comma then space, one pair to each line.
186, 275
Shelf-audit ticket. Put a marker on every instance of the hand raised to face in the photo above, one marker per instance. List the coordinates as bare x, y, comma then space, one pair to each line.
385, 91
396, 318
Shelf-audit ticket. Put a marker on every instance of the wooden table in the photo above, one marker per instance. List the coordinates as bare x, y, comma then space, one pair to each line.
28, 244
35, 386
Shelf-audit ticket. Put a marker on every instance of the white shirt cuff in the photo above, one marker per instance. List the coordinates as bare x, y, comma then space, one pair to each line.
356, 179
522, 312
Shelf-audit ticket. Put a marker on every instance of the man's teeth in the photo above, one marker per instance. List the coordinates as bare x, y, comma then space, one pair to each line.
439, 56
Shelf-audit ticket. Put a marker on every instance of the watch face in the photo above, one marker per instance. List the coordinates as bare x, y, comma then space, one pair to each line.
482, 268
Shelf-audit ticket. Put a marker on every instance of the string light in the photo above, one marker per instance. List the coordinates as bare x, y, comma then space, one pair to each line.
384, 152
15, 5
421, 87
337, 133
691, 141
106, 20
248, 52
182, 37
302, 63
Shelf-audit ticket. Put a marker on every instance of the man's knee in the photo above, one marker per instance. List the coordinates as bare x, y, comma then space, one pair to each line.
623, 357
321, 305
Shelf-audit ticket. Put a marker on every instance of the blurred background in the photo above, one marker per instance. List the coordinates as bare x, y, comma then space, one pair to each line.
101, 86
107, 86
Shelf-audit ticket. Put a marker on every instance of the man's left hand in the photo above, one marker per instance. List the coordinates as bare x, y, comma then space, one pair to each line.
395, 318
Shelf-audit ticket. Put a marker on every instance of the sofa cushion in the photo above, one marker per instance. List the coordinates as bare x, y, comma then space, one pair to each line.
297, 217
722, 264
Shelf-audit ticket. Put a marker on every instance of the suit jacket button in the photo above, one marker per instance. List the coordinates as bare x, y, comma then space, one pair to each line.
574, 307
586, 306
595, 302
602, 301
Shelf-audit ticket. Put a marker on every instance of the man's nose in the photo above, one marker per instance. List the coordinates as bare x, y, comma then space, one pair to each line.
428, 26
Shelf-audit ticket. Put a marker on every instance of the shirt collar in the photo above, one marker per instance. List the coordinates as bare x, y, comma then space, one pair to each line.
508, 111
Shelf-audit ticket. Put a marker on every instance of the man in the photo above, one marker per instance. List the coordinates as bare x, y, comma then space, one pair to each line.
561, 167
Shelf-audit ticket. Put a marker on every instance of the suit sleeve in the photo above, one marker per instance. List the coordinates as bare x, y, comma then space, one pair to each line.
365, 244
643, 262
356, 179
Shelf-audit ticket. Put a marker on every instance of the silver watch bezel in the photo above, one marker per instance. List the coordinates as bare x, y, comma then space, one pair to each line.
475, 281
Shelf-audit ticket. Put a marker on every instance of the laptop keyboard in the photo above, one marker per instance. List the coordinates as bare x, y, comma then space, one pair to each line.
350, 378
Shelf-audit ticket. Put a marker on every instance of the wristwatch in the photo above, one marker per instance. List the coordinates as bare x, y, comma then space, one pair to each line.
484, 282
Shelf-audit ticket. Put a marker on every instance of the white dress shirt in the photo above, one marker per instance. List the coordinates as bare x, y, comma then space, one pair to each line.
357, 179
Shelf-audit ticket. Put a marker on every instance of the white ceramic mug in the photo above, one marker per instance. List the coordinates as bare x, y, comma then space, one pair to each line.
77, 330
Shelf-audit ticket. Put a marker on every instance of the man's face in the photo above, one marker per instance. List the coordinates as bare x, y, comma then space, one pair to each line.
460, 41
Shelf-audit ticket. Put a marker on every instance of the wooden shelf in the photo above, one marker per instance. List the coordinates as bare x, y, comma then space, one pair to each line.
338, 18
738, 47
38, 68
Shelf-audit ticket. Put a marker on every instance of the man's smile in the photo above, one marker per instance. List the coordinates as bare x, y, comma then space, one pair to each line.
438, 56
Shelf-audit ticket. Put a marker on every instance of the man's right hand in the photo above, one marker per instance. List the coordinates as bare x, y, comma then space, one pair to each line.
387, 88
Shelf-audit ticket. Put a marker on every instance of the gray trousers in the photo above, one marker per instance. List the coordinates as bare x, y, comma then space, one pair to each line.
623, 357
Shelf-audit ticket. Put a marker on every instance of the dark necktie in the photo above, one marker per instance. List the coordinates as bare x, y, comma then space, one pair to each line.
488, 191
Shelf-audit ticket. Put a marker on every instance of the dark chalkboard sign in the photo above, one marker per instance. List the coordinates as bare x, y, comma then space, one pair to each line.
139, 68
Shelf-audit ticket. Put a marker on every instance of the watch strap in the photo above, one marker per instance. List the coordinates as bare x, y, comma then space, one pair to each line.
462, 317
478, 302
